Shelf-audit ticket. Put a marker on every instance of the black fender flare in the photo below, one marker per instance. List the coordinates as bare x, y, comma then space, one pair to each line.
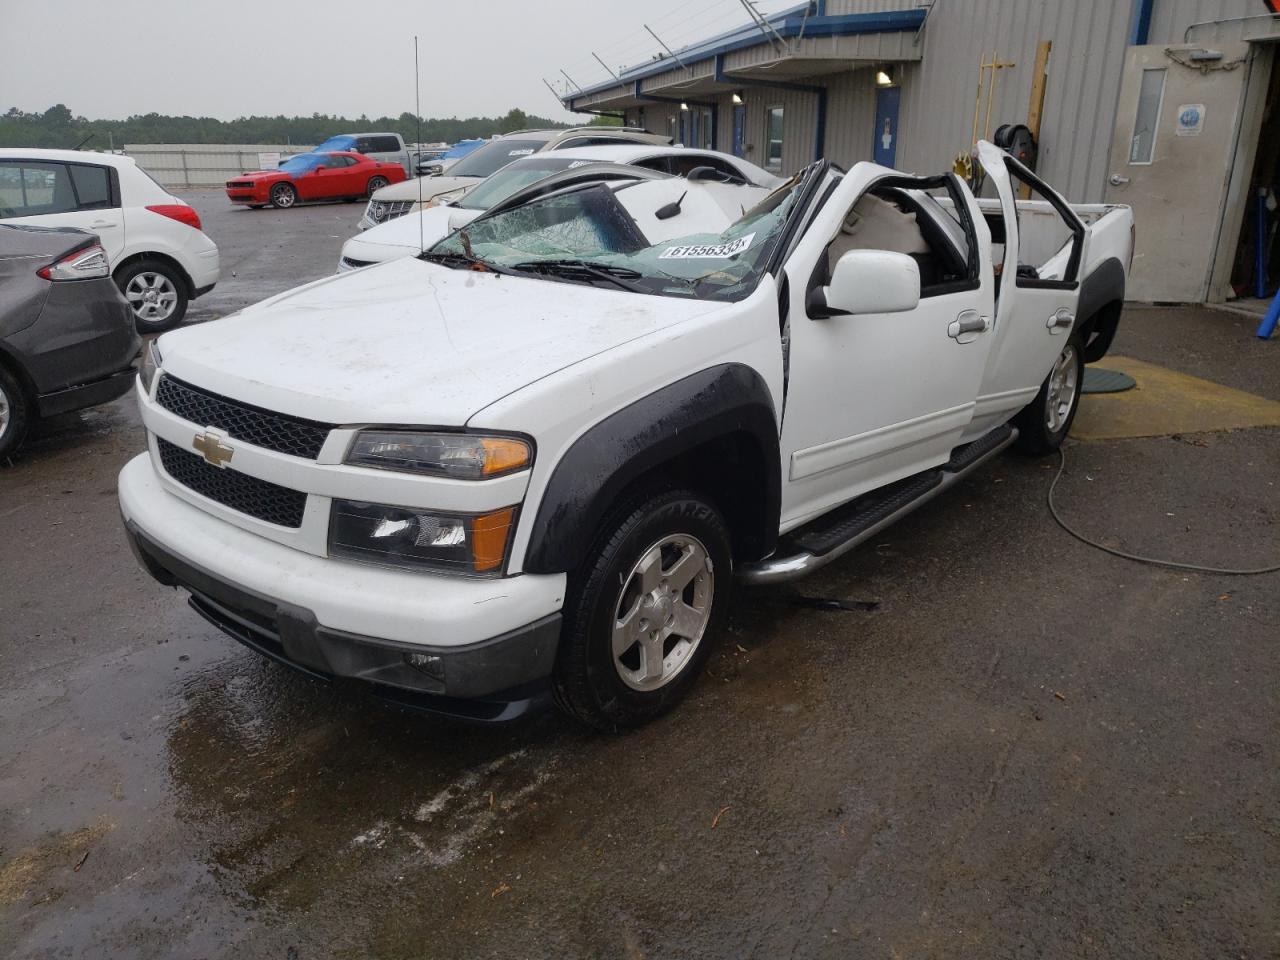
728, 400
1101, 290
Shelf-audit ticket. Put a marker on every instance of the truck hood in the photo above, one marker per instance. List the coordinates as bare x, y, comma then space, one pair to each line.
402, 236
408, 342
431, 187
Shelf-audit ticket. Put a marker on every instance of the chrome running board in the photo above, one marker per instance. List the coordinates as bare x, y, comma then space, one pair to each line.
964, 460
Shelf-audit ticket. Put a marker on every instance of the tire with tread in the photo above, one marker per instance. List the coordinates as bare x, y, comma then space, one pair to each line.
586, 683
1035, 435
15, 414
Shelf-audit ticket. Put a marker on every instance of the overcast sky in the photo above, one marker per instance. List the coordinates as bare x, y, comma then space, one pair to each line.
109, 59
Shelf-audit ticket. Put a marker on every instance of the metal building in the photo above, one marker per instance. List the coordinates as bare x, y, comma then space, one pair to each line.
1166, 105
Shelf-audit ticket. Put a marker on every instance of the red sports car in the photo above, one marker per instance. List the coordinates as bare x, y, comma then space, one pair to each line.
314, 176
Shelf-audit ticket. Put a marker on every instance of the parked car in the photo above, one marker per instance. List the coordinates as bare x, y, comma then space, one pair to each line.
160, 256
490, 158
562, 434
408, 236
384, 147
314, 176
67, 337
435, 166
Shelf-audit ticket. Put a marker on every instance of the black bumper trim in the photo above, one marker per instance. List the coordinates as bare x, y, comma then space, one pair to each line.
87, 394
495, 680
201, 291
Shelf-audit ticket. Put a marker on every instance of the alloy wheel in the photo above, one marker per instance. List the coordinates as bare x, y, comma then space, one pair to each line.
1063, 386
152, 296
662, 612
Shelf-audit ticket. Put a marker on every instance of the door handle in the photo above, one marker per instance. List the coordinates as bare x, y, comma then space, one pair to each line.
1061, 320
967, 326
1117, 180
103, 223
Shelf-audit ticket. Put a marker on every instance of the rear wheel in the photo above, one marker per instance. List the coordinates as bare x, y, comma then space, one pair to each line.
283, 195
156, 293
376, 184
1045, 422
642, 616
15, 415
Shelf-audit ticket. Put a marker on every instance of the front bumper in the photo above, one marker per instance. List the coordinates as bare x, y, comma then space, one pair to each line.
483, 648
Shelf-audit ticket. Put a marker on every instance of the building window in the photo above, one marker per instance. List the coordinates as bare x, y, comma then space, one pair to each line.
773, 138
1150, 97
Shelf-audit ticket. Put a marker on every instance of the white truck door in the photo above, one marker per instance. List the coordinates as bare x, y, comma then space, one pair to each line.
874, 398
1039, 288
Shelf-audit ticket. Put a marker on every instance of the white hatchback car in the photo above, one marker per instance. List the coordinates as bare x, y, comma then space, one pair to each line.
408, 235
160, 256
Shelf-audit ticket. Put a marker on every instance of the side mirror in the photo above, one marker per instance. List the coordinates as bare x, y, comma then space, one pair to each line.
868, 281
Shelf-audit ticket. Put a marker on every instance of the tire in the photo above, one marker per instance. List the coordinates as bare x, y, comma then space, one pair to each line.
283, 196
376, 184
612, 671
15, 414
156, 292
1045, 422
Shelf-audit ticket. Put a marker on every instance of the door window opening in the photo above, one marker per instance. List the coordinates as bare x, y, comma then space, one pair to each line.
1150, 99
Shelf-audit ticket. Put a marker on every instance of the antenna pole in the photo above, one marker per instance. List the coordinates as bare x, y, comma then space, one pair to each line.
417, 110
670, 52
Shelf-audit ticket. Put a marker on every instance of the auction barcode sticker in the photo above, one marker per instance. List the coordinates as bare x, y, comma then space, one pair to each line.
715, 251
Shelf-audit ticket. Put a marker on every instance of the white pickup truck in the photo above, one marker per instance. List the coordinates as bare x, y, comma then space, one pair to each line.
529, 465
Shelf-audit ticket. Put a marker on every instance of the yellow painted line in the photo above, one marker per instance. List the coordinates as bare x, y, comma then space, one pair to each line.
1166, 402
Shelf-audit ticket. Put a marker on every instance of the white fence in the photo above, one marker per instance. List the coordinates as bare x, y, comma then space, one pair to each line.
183, 165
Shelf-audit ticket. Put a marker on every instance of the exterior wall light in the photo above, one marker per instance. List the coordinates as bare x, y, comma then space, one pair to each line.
884, 78
737, 98
684, 106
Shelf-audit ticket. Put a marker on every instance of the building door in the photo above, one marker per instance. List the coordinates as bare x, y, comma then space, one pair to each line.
1177, 126
885, 149
740, 131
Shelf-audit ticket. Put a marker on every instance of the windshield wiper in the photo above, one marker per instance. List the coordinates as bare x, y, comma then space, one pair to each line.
585, 271
464, 261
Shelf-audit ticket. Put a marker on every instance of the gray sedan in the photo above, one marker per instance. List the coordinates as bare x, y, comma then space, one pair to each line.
67, 338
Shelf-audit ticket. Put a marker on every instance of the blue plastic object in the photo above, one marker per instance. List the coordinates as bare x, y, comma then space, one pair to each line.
1268, 325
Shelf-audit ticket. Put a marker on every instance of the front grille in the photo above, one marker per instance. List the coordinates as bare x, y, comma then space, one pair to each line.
381, 211
262, 428
240, 184
239, 491
357, 264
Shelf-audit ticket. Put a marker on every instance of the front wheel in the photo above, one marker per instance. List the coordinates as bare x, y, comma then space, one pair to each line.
376, 184
641, 617
1044, 423
283, 196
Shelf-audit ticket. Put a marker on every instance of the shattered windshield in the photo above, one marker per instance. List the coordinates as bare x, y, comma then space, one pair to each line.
587, 234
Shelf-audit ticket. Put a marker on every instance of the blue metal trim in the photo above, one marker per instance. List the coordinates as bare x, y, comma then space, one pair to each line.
1140, 31
788, 23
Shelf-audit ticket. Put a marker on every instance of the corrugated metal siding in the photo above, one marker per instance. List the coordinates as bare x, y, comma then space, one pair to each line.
1089, 39
1170, 18
851, 117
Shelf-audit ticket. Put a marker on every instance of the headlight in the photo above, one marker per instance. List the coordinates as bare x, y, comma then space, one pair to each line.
150, 366
467, 544
462, 456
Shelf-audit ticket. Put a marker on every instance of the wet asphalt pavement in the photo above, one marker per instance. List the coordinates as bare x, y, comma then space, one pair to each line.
1028, 749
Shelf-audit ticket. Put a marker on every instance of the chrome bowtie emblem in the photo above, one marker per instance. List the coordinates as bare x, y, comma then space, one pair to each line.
212, 449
